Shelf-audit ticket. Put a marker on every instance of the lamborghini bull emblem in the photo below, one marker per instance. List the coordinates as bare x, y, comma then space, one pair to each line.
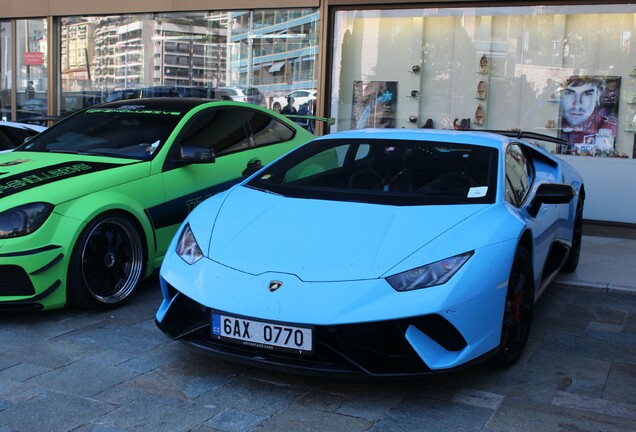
274, 285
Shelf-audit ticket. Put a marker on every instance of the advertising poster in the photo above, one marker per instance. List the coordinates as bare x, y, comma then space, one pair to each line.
374, 104
589, 114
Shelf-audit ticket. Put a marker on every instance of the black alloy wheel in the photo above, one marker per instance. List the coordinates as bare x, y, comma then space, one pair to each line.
107, 263
517, 316
572, 261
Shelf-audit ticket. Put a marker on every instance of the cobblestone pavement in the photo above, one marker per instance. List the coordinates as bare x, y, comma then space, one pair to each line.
81, 371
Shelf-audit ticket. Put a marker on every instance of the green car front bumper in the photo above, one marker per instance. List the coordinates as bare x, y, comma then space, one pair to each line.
33, 268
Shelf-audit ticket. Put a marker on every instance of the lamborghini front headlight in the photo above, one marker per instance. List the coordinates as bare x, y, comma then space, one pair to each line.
187, 247
429, 275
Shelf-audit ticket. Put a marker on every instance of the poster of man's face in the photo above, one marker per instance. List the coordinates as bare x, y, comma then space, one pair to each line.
589, 109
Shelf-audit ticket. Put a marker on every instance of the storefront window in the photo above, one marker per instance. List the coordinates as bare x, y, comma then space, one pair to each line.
252, 56
564, 71
32, 72
5, 70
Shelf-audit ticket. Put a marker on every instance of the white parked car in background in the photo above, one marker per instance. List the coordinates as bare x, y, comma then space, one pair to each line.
301, 97
250, 95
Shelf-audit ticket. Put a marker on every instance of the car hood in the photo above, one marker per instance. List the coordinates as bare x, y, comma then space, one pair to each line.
34, 173
319, 240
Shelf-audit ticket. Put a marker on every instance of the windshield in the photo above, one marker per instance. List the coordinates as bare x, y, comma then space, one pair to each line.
125, 132
396, 172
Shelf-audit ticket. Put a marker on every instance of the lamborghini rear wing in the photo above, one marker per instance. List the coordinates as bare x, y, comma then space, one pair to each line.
308, 121
561, 144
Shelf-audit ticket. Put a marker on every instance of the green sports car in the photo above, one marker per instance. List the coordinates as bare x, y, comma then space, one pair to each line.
89, 206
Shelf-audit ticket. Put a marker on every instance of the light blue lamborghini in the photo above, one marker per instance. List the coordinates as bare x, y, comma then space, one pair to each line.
376, 252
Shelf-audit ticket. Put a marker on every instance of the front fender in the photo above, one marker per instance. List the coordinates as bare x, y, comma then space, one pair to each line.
88, 207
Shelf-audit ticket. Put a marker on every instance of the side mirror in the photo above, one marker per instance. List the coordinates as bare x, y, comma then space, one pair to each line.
551, 193
196, 155
252, 166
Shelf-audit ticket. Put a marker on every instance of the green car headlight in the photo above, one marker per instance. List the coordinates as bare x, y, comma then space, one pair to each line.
436, 273
187, 247
24, 219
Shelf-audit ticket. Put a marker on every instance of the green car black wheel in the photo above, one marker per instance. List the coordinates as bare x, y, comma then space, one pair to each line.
107, 263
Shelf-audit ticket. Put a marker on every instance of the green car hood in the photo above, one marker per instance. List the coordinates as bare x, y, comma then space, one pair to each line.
56, 177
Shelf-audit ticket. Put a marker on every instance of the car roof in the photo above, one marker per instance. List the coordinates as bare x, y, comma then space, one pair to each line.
159, 103
442, 135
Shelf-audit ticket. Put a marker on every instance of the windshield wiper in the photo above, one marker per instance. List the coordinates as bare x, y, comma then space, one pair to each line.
79, 152
65, 151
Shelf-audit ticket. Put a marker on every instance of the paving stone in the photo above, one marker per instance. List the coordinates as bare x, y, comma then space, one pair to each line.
371, 405
52, 412
207, 428
603, 346
83, 378
603, 301
621, 384
185, 378
478, 398
580, 315
15, 392
299, 418
98, 428
389, 424
324, 384
23, 372
521, 415
573, 311
232, 420
157, 413
595, 405
423, 413
50, 353
7, 362
515, 382
160, 356
630, 324
578, 374
604, 327
120, 337
259, 398
318, 400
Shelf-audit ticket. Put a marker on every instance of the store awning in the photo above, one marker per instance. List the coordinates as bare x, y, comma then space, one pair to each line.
277, 66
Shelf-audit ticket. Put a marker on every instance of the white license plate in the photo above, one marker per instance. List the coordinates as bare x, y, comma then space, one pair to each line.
260, 334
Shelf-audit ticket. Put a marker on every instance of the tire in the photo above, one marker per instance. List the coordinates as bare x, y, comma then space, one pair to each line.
572, 260
517, 317
107, 263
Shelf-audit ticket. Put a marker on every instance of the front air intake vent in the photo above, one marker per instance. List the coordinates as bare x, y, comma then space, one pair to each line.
15, 282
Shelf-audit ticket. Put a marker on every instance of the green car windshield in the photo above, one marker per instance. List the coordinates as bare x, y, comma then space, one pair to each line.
116, 132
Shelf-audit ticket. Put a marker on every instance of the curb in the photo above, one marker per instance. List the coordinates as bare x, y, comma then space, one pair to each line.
597, 286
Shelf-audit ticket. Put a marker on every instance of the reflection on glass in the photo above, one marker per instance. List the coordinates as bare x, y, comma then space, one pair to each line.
500, 68
5, 69
251, 56
32, 81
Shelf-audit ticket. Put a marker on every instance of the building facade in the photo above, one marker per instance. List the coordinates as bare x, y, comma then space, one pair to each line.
561, 69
